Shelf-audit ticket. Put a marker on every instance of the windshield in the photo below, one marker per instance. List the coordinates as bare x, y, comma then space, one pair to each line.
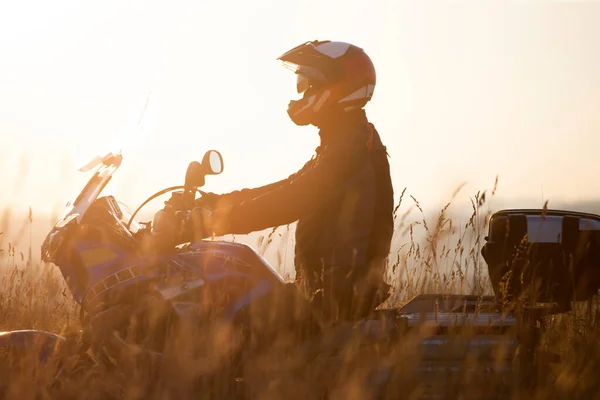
105, 166
78, 207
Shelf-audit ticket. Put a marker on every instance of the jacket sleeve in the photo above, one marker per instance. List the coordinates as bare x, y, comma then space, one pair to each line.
228, 200
290, 199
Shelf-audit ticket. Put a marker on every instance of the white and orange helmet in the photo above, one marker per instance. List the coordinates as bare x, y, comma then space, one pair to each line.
331, 75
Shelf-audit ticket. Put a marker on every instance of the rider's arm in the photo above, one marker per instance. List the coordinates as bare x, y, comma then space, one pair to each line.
292, 198
228, 200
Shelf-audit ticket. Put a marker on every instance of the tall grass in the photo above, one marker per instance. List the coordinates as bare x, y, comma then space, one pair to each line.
439, 254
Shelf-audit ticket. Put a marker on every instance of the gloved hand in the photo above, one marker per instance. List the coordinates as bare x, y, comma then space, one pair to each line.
202, 222
170, 229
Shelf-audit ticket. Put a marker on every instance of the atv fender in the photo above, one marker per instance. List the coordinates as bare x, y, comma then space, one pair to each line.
26, 341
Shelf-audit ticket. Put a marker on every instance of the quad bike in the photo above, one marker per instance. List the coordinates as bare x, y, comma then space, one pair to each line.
191, 316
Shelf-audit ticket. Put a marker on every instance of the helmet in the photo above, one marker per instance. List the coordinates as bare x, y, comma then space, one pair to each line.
331, 76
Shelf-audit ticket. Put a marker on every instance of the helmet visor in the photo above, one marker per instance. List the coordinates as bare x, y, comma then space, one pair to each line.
302, 83
306, 77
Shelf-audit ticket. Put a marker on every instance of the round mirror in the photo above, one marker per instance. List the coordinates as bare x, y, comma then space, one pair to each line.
215, 162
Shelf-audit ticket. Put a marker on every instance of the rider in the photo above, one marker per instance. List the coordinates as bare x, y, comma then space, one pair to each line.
342, 198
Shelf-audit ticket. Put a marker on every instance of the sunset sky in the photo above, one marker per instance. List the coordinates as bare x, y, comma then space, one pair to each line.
465, 91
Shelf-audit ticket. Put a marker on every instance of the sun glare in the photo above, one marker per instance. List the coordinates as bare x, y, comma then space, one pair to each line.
464, 93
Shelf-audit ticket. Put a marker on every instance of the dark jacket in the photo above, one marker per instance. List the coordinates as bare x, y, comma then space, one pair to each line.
342, 199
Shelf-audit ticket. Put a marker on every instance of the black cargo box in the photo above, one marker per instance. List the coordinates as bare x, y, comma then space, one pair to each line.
552, 255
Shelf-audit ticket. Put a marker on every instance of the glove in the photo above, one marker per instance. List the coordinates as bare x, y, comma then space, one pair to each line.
202, 220
165, 234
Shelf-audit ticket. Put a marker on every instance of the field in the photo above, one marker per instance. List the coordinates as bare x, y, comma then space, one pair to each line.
436, 254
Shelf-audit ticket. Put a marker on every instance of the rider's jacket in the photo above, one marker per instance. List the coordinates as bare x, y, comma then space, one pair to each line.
342, 200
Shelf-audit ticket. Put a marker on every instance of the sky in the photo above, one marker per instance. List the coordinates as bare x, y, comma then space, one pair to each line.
466, 91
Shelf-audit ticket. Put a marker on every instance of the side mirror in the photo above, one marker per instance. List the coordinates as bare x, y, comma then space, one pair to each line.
212, 162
